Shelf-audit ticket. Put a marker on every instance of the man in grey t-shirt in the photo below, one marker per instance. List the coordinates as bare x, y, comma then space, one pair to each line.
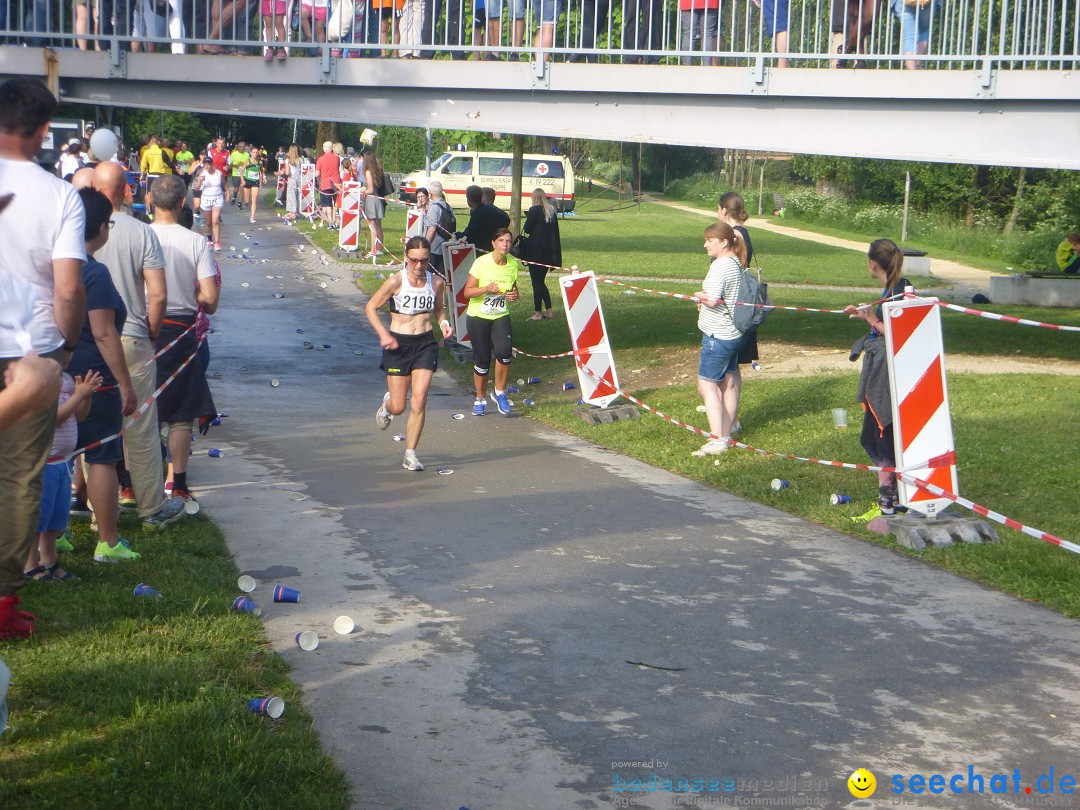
133, 256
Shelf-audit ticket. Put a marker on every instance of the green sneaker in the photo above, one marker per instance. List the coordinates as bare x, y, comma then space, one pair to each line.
63, 544
121, 552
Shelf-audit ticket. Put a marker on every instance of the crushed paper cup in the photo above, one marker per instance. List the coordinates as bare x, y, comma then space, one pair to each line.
446, 471
142, 589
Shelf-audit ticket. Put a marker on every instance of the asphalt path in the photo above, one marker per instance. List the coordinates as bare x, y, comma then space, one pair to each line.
551, 621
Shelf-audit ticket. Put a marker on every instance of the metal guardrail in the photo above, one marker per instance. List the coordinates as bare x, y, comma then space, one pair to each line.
884, 34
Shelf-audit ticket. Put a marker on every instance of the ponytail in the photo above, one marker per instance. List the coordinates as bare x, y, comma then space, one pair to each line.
886, 255
721, 230
733, 203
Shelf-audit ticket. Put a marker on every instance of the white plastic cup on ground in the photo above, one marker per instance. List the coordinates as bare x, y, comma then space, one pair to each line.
246, 583
343, 625
307, 640
839, 418
191, 507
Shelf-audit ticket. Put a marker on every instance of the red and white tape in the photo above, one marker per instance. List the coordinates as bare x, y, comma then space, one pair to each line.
946, 460
142, 409
994, 316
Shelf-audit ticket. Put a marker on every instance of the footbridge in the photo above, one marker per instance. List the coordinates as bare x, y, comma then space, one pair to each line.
994, 83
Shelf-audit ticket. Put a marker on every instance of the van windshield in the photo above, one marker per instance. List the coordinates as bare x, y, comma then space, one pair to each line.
440, 160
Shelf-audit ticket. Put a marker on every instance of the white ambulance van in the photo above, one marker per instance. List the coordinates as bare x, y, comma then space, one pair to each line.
458, 170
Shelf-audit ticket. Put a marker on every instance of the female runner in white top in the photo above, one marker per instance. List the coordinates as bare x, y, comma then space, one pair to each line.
410, 351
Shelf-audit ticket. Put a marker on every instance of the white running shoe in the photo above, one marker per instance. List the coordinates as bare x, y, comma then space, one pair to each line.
382, 416
713, 447
411, 462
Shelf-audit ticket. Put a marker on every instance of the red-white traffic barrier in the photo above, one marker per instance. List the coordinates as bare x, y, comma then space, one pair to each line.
458, 258
901, 474
308, 204
349, 232
922, 424
588, 334
414, 223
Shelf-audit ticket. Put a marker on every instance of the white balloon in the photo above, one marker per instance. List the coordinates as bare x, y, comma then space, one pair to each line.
103, 144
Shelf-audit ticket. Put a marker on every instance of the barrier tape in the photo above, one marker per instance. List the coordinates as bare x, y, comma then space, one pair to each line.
164, 349
141, 410
944, 460
994, 316
572, 353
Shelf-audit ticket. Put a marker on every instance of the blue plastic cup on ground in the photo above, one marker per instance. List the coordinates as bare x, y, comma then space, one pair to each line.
780, 483
245, 605
528, 401
142, 589
284, 594
213, 452
568, 386
215, 421
272, 707
513, 389
836, 500
533, 380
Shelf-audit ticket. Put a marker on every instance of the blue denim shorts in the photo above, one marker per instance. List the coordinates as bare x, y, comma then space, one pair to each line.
494, 9
55, 497
718, 358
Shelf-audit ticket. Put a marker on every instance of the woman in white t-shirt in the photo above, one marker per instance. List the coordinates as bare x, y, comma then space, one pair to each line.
211, 184
720, 340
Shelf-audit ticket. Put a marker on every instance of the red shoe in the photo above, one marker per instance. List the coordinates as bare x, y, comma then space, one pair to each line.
127, 498
14, 623
183, 493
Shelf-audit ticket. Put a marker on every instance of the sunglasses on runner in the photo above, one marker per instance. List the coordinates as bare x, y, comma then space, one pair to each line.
424, 260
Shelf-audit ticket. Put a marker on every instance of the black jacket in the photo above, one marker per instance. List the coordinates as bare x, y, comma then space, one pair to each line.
544, 246
483, 222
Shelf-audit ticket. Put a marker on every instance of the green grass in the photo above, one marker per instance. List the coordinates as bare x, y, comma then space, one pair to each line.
1013, 455
129, 701
935, 250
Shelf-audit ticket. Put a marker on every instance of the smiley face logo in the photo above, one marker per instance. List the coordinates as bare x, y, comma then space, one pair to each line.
862, 783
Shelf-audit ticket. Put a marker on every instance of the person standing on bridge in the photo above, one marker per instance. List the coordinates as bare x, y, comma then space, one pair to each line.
410, 351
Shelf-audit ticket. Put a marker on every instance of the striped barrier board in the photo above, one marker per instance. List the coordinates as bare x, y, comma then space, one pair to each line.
458, 258
414, 223
922, 424
308, 203
588, 335
349, 233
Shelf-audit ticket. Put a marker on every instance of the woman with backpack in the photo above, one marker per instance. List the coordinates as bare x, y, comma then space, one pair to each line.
732, 210
720, 340
374, 203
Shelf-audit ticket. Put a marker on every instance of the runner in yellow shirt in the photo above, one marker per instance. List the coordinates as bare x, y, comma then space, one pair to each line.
239, 160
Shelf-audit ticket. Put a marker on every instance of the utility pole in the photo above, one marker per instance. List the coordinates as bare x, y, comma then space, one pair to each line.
907, 195
515, 183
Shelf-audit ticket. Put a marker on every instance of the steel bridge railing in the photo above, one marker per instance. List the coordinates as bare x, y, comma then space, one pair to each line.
879, 34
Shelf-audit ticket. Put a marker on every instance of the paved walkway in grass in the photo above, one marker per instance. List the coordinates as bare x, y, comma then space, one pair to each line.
969, 279
550, 625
